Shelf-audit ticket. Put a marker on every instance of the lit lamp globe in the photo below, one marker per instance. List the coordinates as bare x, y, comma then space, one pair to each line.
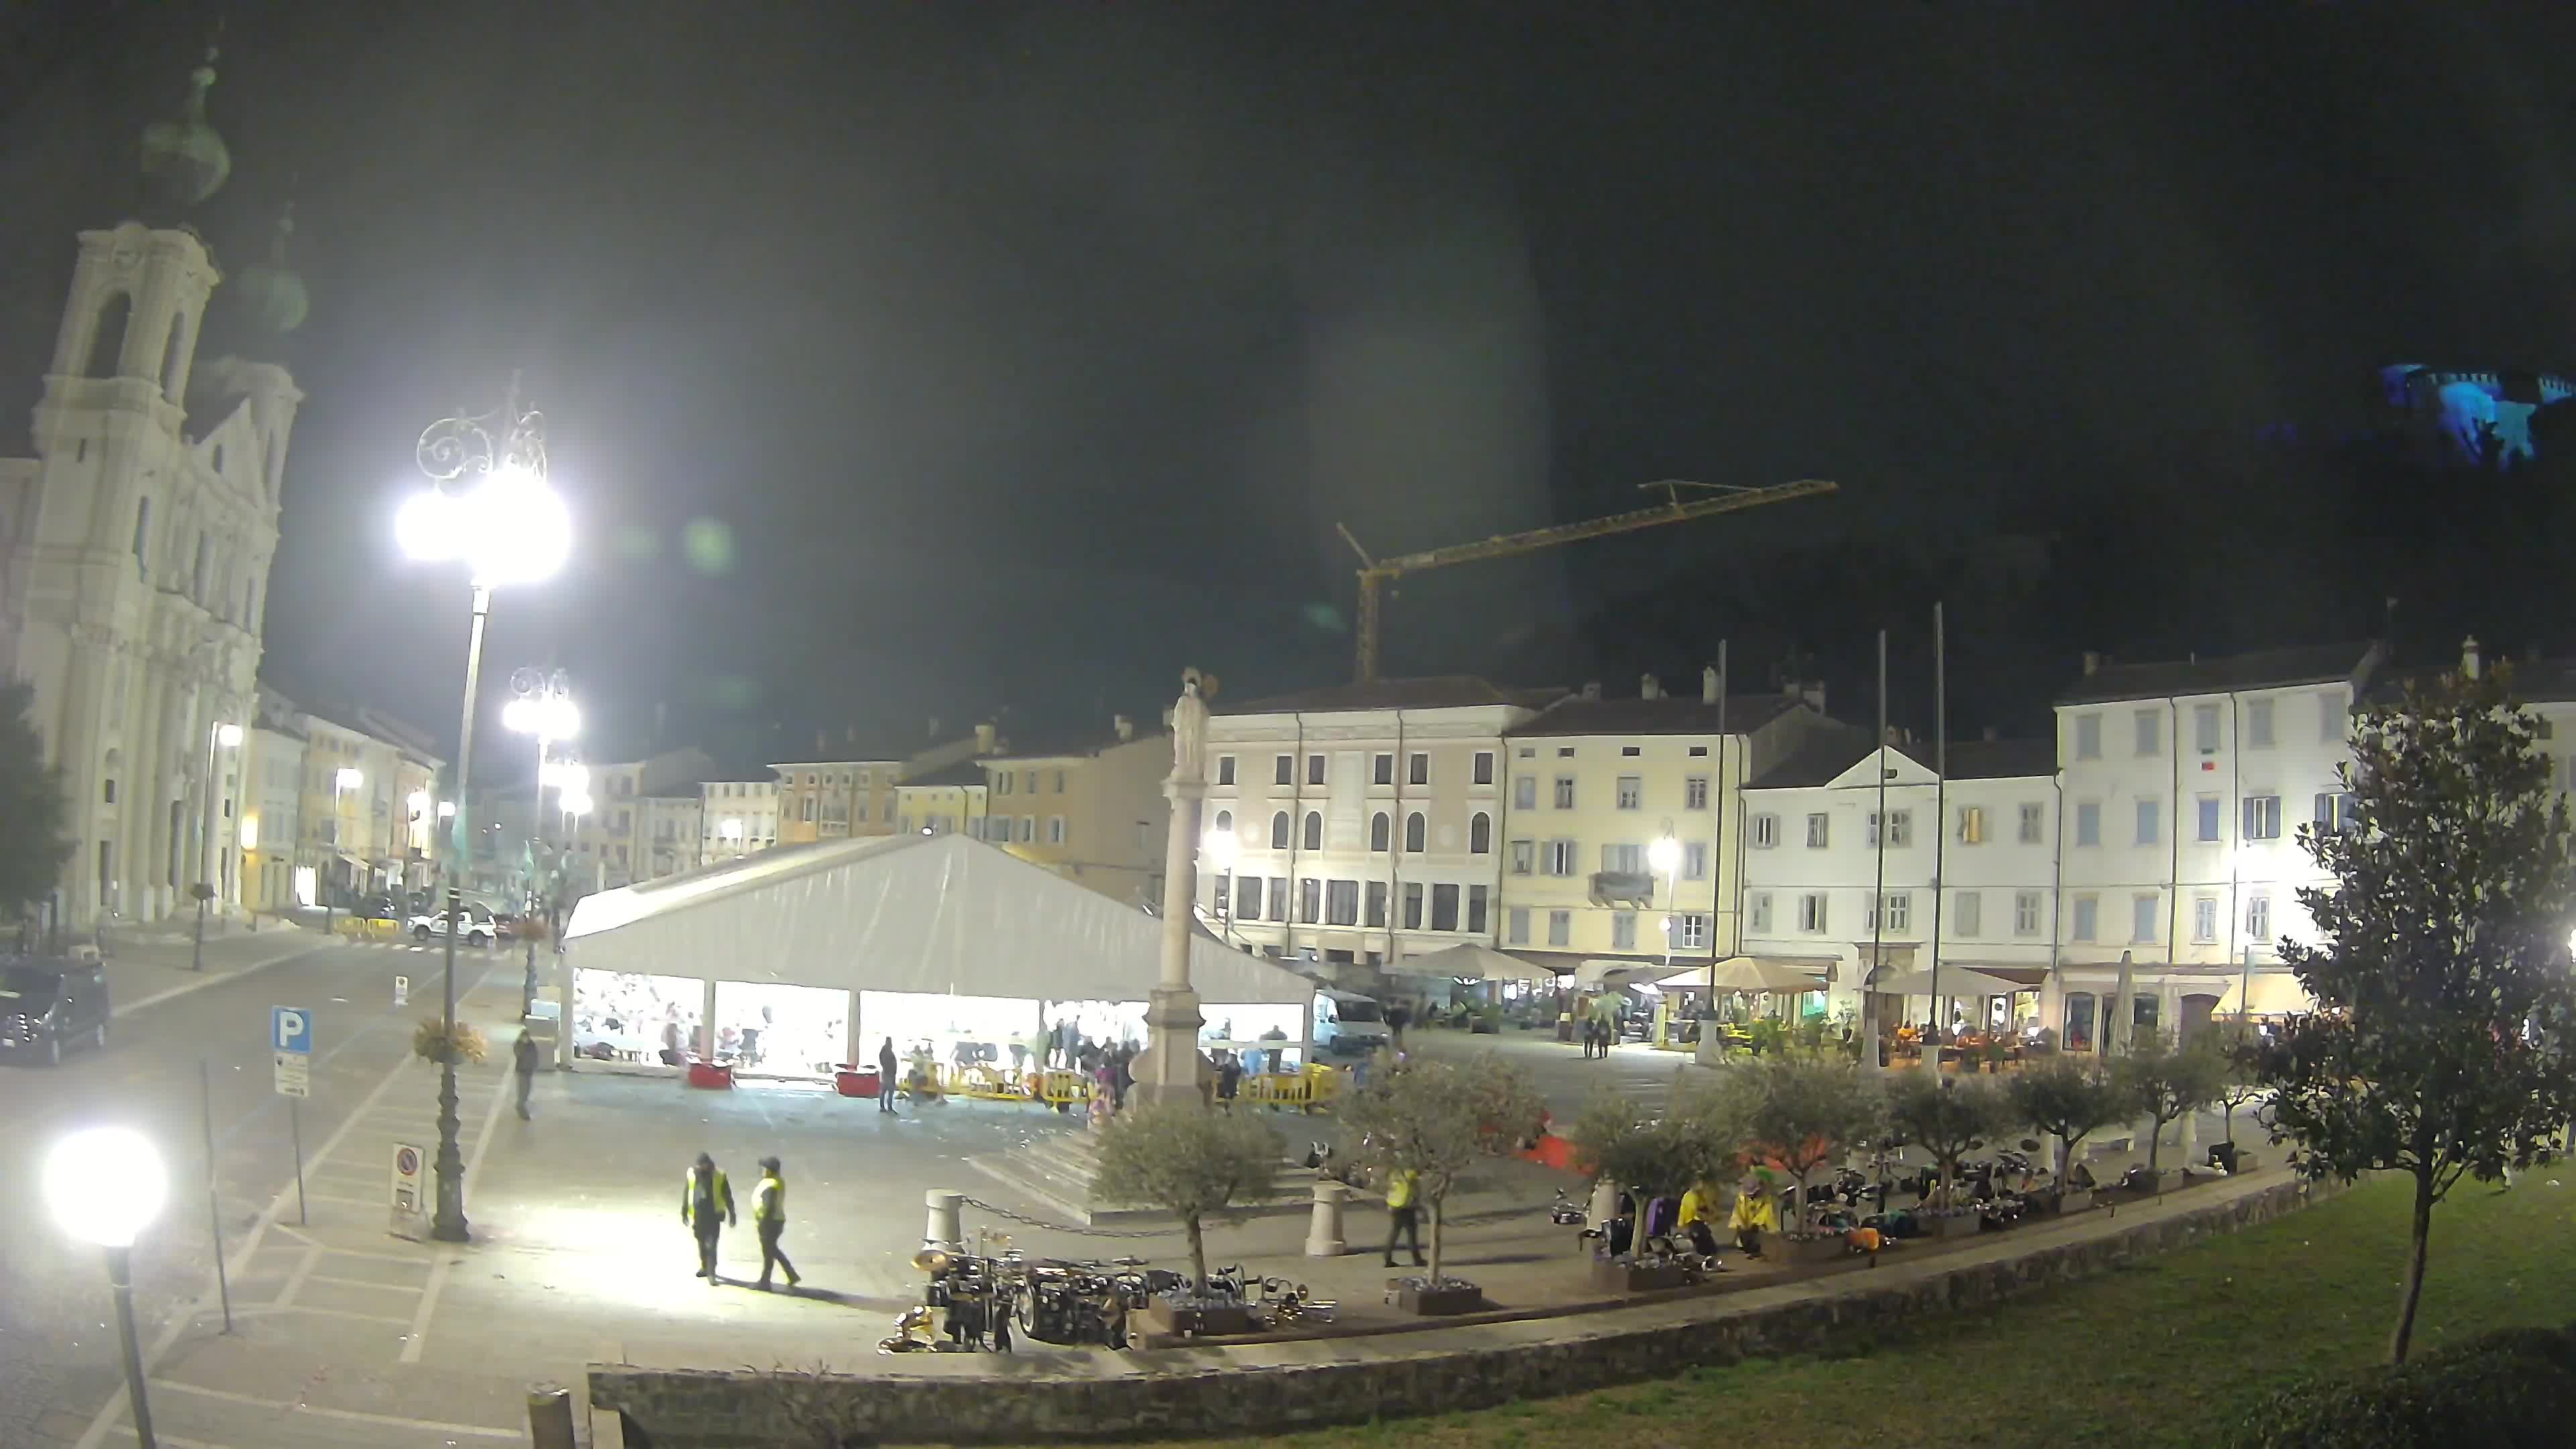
229, 736
105, 1185
1664, 854
348, 778
548, 717
1221, 847
509, 528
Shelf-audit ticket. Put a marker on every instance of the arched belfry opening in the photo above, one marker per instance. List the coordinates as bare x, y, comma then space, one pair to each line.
107, 339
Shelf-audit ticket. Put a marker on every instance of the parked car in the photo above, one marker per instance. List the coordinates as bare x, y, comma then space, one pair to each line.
1349, 1023
477, 928
45, 1003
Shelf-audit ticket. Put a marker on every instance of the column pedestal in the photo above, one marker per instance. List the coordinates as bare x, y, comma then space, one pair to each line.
1169, 1069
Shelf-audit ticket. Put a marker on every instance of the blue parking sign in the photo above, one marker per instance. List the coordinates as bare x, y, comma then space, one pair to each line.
290, 1029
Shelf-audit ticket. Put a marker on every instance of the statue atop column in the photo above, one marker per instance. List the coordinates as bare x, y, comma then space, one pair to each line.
1189, 730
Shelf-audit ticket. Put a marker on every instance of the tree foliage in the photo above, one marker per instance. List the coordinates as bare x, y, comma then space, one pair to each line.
1192, 1162
2164, 1081
1436, 1119
35, 842
2069, 1101
1947, 1119
1700, 1137
1803, 1112
2440, 959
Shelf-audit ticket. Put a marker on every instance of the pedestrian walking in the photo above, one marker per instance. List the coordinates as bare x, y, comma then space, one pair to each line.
1402, 1218
886, 1079
523, 1060
706, 1205
769, 1220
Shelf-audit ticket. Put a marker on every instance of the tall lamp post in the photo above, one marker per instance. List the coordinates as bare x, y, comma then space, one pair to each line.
228, 737
1220, 850
1664, 857
489, 507
541, 706
105, 1185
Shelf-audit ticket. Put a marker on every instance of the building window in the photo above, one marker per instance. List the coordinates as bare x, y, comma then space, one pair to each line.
1524, 856
2331, 723
2207, 810
1630, 751
1695, 793
1525, 792
1811, 912
1059, 782
1413, 905
1342, 903
1484, 767
1560, 926
1765, 830
1225, 769
1381, 833
1279, 831
1220, 898
2258, 919
1314, 769
2151, 733
1480, 834
1565, 792
1516, 926
1314, 830
1418, 770
2204, 918
1624, 859
1695, 860
2142, 918
1632, 792
1247, 897
2204, 728
108, 790
807, 810
143, 534
1819, 831
1283, 770
2337, 810
1382, 770
2088, 918
1033, 781
2079, 1021
1972, 825
1900, 829
2025, 913
1759, 909
1279, 898
1413, 832
1055, 830
2262, 817
1623, 931
2150, 821
2258, 724
2088, 737
1376, 904
1900, 910
1310, 899
2088, 822
1560, 857
1476, 900
1225, 822
2030, 823
1967, 913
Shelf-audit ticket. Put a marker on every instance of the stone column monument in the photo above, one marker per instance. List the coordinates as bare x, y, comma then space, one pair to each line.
1169, 1067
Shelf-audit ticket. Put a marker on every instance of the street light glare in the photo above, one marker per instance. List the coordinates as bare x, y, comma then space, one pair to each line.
348, 778
576, 800
512, 528
1664, 854
1221, 847
446, 809
419, 802
105, 1184
228, 735
550, 717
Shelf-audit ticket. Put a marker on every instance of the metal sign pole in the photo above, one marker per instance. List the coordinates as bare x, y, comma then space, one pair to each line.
295, 1130
214, 1210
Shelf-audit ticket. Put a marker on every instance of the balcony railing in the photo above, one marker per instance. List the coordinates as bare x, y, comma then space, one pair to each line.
1630, 886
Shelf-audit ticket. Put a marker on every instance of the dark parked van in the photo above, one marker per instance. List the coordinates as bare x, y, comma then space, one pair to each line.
47, 1003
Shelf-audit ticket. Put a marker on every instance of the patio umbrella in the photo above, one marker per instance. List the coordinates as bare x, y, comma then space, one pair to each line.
2122, 1015
1753, 973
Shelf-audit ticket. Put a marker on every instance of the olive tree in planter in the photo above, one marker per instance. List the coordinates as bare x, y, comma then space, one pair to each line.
1197, 1164
2165, 1082
1802, 1113
1436, 1119
2233, 1043
1699, 1135
2069, 1101
1948, 1119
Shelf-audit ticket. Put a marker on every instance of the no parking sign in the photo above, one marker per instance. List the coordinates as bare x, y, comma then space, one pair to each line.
407, 1202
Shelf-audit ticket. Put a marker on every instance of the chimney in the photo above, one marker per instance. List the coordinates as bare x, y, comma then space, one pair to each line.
1813, 692
2092, 661
1650, 688
1592, 691
822, 744
1124, 725
2469, 657
1992, 734
934, 726
984, 738
1708, 685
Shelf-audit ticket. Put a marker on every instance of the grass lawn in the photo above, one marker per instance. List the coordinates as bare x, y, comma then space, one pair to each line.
2155, 1354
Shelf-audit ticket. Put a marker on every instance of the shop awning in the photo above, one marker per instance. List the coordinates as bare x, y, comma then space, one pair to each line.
923, 913
1768, 973
1604, 971
1470, 962
2264, 993
1955, 981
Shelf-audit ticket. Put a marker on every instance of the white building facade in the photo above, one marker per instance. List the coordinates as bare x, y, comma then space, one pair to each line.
738, 817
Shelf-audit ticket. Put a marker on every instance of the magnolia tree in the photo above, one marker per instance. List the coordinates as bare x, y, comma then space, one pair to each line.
1196, 1163
2069, 1101
1436, 1119
2440, 961
2166, 1083
33, 844
2233, 1042
1803, 1113
1947, 1120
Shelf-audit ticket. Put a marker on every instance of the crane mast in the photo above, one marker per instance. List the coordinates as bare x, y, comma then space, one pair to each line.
1376, 573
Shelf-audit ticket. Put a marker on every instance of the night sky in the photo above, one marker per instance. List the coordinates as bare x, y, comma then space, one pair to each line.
1015, 356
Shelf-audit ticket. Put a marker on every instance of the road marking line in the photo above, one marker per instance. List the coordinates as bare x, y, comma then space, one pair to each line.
295, 948
342, 1201
419, 1339
295, 1280
355, 1416
172, 1440
421, 1260
259, 1309
360, 1283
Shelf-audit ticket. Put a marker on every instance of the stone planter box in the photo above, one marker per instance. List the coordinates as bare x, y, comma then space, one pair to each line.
1620, 1275
1826, 1249
2073, 1202
1200, 1322
1452, 1297
1949, 1225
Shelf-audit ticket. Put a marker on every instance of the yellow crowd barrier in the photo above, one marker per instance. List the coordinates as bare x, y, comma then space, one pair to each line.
360, 928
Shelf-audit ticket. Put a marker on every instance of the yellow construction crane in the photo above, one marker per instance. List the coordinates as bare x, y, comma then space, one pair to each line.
1376, 573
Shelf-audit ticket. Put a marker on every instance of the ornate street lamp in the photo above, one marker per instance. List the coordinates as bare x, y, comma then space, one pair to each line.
489, 507
105, 1185
1221, 849
541, 705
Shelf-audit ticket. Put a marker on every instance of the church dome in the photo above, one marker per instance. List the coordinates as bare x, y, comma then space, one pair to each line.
268, 293
185, 161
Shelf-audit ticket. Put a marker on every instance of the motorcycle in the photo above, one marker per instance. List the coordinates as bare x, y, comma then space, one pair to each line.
1565, 1212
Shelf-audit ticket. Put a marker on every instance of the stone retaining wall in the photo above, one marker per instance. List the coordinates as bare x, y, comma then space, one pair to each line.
971, 1399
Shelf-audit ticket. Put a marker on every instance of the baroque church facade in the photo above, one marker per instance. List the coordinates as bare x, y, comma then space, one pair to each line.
139, 538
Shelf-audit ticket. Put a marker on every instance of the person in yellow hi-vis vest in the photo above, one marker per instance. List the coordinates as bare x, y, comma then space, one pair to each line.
1755, 1213
769, 1219
1403, 1219
706, 1205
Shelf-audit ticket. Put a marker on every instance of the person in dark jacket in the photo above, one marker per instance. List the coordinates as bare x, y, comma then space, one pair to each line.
706, 1206
887, 1080
523, 1060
